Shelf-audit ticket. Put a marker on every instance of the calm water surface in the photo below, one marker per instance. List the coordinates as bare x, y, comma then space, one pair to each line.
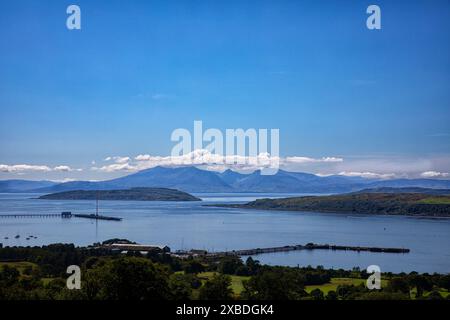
186, 225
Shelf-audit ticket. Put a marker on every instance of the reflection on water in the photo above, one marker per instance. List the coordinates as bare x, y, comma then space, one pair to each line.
185, 225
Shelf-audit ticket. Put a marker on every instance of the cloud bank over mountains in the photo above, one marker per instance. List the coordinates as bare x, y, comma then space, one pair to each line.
371, 167
212, 161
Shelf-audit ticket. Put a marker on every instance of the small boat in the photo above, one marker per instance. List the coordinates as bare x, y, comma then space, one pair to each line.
6, 238
17, 237
27, 238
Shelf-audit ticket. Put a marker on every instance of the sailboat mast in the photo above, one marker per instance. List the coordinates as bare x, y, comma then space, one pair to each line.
96, 208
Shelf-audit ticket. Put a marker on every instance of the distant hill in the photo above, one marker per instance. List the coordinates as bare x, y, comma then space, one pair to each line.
189, 179
407, 190
417, 183
192, 179
230, 176
11, 186
134, 194
414, 204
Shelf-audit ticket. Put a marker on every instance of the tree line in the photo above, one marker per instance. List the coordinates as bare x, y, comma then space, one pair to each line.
160, 276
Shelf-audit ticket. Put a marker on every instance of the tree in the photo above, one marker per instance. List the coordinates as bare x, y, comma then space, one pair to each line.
8, 276
444, 282
127, 278
230, 264
382, 295
180, 286
193, 267
242, 271
421, 283
317, 294
343, 291
54, 287
276, 284
332, 295
435, 295
398, 285
216, 288
253, 266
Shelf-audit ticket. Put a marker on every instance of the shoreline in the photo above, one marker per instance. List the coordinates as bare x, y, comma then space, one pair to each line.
335, 212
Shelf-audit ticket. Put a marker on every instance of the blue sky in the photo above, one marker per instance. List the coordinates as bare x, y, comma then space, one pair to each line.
137, 70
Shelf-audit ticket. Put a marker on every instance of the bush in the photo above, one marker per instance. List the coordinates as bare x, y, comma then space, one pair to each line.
217, 288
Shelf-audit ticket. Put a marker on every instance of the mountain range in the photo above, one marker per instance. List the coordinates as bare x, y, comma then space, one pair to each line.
193, 179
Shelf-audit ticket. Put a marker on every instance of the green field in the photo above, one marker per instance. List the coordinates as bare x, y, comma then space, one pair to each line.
335, 282
435, 200
325, 288
20, 266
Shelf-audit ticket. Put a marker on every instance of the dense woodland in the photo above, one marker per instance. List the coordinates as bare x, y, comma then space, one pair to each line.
414, 204
40, 273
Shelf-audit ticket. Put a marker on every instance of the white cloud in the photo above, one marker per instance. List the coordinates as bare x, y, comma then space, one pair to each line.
21, 168
64, 180
312, 160
115, 167
434, 174
369, 175
121, 160
117, 159
64, 169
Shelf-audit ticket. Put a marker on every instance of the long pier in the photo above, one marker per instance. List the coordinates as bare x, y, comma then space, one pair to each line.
309, 246
64, 215
97, 217
37, 215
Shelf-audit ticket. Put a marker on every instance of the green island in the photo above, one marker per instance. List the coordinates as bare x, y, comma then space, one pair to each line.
133, 194
40, 273
413, 204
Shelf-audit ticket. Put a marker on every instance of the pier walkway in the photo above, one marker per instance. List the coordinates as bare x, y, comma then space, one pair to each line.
64, 215
309, 246
37, 215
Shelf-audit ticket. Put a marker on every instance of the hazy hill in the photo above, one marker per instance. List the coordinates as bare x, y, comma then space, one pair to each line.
23, 185
190, 179
407, 190
282, 182
418, 183
230, 177
300, 182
